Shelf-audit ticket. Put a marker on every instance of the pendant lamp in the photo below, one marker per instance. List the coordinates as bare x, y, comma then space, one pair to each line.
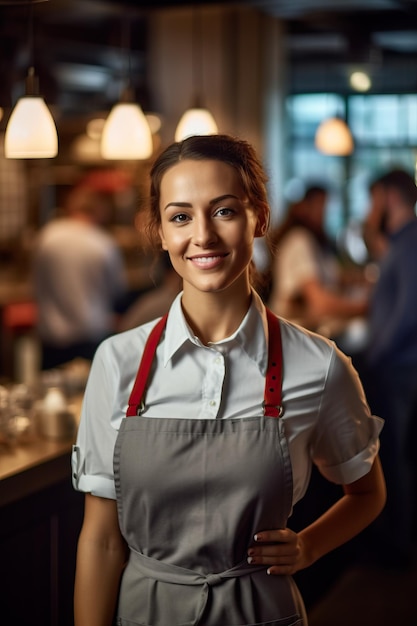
197, 120
126, 133
31, 132
333, 137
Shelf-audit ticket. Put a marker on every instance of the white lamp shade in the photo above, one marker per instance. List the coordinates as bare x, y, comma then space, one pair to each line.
195, 121
126, 134
333, 137
31, 131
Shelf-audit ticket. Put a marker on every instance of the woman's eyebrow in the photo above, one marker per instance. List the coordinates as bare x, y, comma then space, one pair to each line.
224, 197
211, 202
178, 204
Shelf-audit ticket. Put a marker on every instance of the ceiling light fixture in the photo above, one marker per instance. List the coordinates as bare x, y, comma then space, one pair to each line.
126, 133
31, 132
333, 137
360, 81
197, 120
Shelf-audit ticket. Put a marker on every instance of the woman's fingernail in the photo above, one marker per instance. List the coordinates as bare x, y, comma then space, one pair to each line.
251, 559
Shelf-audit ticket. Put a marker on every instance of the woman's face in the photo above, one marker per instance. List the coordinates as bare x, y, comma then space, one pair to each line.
208, 225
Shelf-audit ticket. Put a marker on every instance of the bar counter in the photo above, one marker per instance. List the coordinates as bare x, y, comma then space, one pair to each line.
40, 520
29, 467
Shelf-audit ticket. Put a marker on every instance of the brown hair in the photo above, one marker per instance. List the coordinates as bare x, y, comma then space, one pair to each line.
235, 152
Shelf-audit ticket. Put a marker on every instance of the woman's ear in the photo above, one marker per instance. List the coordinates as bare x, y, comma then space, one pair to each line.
262, 223
161, 236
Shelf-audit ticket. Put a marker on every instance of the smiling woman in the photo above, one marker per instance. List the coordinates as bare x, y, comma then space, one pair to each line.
208, 226
191, 478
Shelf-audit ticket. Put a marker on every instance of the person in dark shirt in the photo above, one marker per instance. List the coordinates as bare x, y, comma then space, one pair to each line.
390, 364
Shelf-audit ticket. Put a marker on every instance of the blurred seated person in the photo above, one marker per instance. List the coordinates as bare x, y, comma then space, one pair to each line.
79, 276
306, 275
155, 302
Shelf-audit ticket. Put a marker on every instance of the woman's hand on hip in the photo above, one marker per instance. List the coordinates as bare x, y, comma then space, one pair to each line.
280, 550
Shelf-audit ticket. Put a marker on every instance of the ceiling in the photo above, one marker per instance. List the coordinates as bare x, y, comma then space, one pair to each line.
79, 47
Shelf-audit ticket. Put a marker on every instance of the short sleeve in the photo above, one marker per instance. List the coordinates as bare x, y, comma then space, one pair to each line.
92, 455
346, 437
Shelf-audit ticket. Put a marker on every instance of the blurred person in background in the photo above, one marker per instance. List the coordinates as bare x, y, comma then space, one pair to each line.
79, 276
389, 368
306, 273
374, 228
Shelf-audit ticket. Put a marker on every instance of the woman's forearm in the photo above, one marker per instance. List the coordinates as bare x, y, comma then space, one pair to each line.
98, 573
101, 556
347, 517
286, 552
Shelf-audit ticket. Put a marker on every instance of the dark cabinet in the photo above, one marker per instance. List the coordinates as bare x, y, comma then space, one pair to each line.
38, 538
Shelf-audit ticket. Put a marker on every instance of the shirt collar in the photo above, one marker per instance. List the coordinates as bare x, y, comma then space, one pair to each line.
251, 333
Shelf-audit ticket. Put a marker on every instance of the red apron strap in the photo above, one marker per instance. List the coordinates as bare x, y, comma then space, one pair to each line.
273, 382
138, 390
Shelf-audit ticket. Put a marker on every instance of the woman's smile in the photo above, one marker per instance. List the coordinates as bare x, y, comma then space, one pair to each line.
208, 261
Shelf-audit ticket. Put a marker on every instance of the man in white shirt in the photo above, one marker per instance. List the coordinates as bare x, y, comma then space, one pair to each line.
79, 275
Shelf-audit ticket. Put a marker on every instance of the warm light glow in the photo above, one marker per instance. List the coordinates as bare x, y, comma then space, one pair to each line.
126, 134
333, 137
195, 122
94, 128
86, 149
31, 131
360, 81
154, 122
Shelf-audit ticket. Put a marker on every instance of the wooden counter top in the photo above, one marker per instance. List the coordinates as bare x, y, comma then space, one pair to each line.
28, 467
35, 464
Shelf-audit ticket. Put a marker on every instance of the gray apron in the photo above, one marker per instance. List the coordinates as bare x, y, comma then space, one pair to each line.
191, 495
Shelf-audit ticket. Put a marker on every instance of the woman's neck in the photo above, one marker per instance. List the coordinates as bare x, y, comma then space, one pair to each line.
215, 316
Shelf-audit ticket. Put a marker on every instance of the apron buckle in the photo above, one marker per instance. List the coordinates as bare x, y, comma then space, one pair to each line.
273, 410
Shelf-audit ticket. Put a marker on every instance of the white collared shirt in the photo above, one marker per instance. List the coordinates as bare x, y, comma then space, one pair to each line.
326, 417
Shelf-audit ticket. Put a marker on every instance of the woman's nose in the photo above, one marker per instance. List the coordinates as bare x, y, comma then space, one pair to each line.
204, 233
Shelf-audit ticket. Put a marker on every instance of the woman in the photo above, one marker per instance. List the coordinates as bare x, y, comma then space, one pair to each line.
208, 461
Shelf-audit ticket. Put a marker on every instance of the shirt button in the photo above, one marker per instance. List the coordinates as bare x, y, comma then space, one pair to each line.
218, 360
212, 402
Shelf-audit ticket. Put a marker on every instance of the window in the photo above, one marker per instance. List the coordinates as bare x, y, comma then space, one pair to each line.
385, 133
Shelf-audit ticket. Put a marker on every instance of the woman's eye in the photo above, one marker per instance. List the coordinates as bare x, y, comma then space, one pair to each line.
179, 218
224, 211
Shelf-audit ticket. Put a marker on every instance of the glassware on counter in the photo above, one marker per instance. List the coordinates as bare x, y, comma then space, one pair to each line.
17, 406
21, 412
55, 419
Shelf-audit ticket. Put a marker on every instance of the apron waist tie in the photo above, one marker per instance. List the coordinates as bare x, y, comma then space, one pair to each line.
166, 572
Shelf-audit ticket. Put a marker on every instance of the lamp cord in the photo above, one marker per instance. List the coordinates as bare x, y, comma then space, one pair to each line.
127, 90
196, 56
32, 84
31, 44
